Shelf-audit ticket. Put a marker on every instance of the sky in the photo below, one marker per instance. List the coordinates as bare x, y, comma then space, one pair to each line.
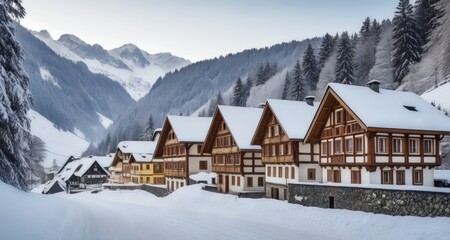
200, 29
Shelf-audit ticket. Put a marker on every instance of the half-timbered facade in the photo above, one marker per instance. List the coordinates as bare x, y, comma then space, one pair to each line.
121, 165
373, 136
287, 159
147, 170
180, 145
235, 160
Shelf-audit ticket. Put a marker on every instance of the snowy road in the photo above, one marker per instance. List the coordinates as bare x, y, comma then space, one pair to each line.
191, 213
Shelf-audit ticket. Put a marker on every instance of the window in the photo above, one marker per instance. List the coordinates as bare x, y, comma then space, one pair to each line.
337, 176
274, 171
147, 179
289, 150
349, 145
400, 177
147, 166
381, 145
338, 146
238, 180
281, 149
386, 177
266, 150
233, 180
286, 172
260, 181
269, 131
269, 171
417, 177
339, 116
330, 175
311, 174
292, 173
280, 172
249, 182
356, 177
397, 145
428, 146
273, 151
413, 146
358, 145
324, 148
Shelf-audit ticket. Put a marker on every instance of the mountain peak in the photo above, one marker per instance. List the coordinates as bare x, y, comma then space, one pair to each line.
133, 53
70, 39
44, 33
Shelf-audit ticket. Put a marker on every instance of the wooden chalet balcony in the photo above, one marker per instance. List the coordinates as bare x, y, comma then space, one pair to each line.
277, 159
175, 173
337, 159
226, 168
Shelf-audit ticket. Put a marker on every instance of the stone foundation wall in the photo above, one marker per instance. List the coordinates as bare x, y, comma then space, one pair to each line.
384, 201
157, 191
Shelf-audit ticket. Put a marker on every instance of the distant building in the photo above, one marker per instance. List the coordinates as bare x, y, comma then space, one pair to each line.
147, 170
287, 158
235, 159
180, 146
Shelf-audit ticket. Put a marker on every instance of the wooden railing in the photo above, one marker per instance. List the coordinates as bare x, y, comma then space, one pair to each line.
175, 173
226, 168
337, 159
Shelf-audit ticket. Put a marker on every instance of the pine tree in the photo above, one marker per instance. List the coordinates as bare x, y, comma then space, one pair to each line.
406, 40
238, 94
310, 70
149, 128
36, 157
326, 48
260, 78
426, 15
297, 89
287, 84
15, 100
344, 61
247, 87
366, 28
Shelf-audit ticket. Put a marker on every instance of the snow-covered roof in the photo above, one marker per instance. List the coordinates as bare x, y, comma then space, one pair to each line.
190, 129
391, 109
203, 176
50, 184
137, 146
442, 175
294, 116
104, 161
242, 123
78, 167
143, 157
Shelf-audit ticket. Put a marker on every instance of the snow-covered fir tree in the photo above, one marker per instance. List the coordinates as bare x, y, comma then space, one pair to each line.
248, 85
15, 100
287, 85
265, 72
297, 90
365, 30
344, 62
326, 48
310, 69
238, 94
406, 40
427, 15
365, 50
260, 76
149, 128
36, 158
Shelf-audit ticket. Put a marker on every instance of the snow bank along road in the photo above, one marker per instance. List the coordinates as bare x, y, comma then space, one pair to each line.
190, 213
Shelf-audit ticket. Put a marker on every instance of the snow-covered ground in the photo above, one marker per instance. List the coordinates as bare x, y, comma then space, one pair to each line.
191, 213
439, 95
59, 144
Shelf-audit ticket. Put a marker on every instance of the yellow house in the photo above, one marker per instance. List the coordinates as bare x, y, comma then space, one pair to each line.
147, 170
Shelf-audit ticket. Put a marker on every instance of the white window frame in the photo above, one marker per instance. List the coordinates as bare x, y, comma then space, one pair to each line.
414, 146
382, 141
400, 145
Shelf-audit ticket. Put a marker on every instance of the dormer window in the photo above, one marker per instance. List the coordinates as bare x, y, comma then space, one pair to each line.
410, 108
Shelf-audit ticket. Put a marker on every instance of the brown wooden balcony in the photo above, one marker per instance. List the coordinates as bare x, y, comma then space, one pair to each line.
226, 168
337, 159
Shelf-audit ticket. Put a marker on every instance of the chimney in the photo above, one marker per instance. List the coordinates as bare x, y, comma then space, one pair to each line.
310, 100
374, 85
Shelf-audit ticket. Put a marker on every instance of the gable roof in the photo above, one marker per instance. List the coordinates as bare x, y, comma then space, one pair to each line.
187, 129
144, 158
78, 167
387, 109
293, 116
242, 123
55, 184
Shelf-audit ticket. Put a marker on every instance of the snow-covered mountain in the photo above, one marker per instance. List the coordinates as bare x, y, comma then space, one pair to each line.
135, 69
59, 144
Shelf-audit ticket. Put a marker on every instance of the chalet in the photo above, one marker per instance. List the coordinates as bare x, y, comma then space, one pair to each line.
235, 160
280, 133
369, 135
180, 146
79, 173
145, 169
121, 166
